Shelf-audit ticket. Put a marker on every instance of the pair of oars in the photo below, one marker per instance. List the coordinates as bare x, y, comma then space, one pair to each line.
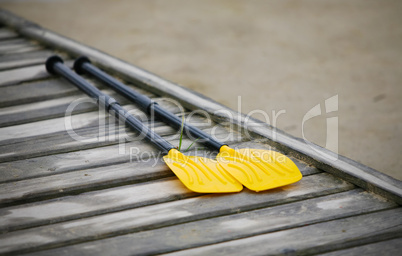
254, 168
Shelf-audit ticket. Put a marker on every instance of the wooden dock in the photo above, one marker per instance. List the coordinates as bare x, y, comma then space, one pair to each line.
109, 193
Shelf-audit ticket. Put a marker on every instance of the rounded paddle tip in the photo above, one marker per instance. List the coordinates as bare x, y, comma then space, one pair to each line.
50, 63
78, 64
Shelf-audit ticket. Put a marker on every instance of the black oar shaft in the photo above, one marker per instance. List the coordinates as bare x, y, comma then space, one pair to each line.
54, 65
83, 66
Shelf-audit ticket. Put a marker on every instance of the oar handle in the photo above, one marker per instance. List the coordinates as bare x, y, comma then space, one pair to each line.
83, 66
54, 65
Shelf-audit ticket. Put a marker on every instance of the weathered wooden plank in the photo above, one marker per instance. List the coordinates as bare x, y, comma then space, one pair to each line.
91, 158
28, 55
24, 59
52, 108
9, 134
311, 239
89, 138
17, 76
48, 109
158, 239
20, 75
160, 215
354, 172
111, 127
142, 161
14, 41
389, 247
91, 131
92, 203
132, 196
21, 49
36, 91
6, 33
14, 45
42, 90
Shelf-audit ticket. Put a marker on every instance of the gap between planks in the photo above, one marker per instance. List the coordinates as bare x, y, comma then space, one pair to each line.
148, 193
182, 224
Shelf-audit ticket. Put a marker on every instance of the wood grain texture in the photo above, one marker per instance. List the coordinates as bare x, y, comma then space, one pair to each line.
389, 247
202, 232
20, 75
36, 91
15, 46
25, 59
92, 203
28, 55
44, 90
91, 137
65, 197
48, 109
76, 121
146, 165
21, 49
351, 170
91, 158
14, 41
53, 108
56, 210
312, 239
6, 33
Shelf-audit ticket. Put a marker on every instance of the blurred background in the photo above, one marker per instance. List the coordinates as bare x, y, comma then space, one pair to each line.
277, 55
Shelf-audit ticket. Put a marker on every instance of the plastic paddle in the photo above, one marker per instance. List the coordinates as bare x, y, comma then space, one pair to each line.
254, 168
196, 173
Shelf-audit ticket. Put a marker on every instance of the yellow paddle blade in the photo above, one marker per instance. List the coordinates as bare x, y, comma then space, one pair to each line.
201, 174
259, 169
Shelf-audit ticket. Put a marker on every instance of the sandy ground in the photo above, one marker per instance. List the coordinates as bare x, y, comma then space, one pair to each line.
276, 55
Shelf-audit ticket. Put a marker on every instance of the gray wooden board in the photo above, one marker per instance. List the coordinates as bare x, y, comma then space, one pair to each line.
54, 108
20, 75
214, 229
32, 112
25, 59
14, 41
101, 175
51, 108
358, 174
92, 203
89, 158
389, 247
96, 129
89, 138
28, 55
139, 169
165, 214
54, 125
77, 121
36, 91
42, 90
54, 103
55, 210
312, 239
6, 33
14, 45
20, 49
